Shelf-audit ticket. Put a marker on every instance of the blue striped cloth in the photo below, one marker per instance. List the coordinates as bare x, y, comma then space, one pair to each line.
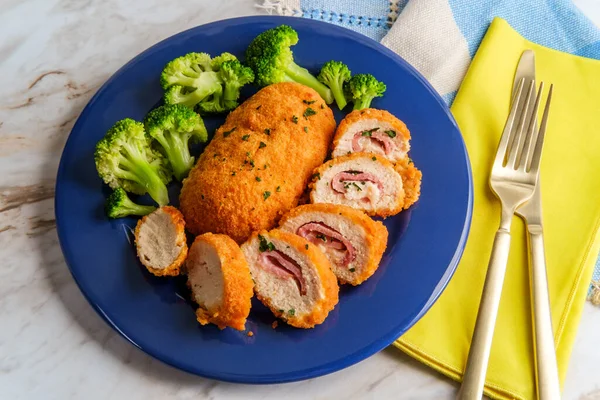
440, 37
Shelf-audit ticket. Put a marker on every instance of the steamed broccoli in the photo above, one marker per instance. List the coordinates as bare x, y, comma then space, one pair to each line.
124, 159
334, 74
272, 60
173, 126
119, 205
362, 89
213, 85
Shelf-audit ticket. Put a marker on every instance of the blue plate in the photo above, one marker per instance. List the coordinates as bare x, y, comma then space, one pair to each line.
424, 247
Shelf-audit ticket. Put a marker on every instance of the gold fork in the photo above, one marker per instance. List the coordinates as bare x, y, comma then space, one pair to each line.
514, 177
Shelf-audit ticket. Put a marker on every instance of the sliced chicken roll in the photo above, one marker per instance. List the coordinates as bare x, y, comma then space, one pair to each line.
161, 242
220, 281
372, 131
364, 181
292, 277
352, 241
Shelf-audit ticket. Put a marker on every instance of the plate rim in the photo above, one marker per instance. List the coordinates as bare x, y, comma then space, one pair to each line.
324, 369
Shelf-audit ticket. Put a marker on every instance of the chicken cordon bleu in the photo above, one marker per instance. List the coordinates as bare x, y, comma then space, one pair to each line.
292, 277
372, 131
220, 281
353, 242
363, 181
259, 162
161, 242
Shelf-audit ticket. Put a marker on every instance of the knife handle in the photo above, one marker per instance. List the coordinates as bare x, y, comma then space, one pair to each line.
545, 354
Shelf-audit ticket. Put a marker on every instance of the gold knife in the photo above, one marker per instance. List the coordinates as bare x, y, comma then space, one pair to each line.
548, 386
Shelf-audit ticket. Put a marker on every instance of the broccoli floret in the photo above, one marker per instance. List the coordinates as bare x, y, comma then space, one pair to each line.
272, 60
219, 60
124, 159
362, 89
119, 205
179, 95
194, 79
173, 126
334, 74
211, 85
234, 76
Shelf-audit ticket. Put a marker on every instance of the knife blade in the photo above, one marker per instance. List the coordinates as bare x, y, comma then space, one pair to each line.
546, 371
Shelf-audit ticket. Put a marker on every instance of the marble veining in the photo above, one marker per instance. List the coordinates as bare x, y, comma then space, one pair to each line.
54, 55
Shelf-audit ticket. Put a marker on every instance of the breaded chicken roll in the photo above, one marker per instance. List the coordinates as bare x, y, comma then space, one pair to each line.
372, 131
361, 180
411, 180
292, 277
220, 281
161, 242
259, 162
352, 241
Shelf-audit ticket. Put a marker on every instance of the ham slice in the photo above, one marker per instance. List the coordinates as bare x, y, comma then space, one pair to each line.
283, 266
329, 237
386, 143
338, 181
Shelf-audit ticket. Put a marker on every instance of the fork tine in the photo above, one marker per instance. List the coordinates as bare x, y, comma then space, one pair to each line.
517, 144
508, 127
537, 153
529, 136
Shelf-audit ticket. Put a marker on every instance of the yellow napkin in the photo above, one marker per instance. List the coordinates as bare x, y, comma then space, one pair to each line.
570, 176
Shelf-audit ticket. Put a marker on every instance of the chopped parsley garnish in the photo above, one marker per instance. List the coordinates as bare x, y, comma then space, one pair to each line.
369, 132
308, 112
292, 312
233, 173
306, 129
352, 269
252, 163
278, 189
202, 196
306, 246
261, 145
258, 179
215, 155
266, 165
247, 154
294, 119
266, 195
267, 131
264, 244
229, 132
322, 106
348, 153
316, 175
374, 158
245, 138
410, 160
357, 187
353, 172
258, 108
309, 102
391, 133
322, 237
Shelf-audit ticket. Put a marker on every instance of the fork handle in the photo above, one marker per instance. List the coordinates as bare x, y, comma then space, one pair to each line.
479, 353
547, 370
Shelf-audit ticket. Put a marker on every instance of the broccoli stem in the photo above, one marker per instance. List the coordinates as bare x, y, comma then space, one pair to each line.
301, 75
178, 153
338, 94
137, 209
145, 175
363, 102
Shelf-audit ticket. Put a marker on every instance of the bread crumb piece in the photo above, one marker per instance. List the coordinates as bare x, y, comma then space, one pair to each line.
250, 333
274, 324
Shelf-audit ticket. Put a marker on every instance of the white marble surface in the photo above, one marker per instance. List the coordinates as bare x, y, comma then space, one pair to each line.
52, 344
